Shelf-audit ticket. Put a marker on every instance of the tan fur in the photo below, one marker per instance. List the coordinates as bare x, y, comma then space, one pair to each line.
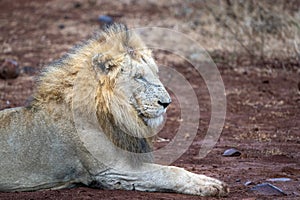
56, 84
109, 90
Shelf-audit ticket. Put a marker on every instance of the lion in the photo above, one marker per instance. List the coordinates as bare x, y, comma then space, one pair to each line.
91, 121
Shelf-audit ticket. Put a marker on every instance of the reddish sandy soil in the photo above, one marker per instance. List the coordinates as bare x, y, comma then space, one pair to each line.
263, 101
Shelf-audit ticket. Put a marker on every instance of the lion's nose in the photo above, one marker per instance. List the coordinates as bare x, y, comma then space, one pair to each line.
164, 104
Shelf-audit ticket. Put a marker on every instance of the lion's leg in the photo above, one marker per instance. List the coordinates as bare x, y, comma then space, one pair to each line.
152, 177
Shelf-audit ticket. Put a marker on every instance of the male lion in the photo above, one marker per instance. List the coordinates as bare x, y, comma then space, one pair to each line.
89, 122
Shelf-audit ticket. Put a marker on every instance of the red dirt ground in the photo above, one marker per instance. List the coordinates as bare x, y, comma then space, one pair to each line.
263, 101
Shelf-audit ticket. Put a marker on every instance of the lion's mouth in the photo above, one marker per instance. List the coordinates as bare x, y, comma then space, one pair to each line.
154, 122
153, 118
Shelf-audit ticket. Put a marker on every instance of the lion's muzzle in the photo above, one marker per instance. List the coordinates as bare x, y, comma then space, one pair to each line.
164, 103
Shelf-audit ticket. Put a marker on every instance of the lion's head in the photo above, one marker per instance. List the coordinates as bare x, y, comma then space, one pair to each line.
127, 70
131, 99
114, 76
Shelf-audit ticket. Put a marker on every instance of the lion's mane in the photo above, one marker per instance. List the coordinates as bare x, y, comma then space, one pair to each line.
72, 83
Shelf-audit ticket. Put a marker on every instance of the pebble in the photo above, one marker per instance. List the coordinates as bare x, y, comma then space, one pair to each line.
265, 81
105, 19
77, 5
160, 139
296, 194
267, 189
61, 26
248, 183
232, 152
9, 69
279, 179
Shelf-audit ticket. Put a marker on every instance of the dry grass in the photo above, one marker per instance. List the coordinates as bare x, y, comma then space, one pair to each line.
259, 30
263, 29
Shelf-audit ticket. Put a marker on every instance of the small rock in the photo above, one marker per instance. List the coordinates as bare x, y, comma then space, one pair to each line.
279, 179
61, 26
9, 69
248, 183
231, 152
296, 194
105, 20
267, 189
77, 5
160, 139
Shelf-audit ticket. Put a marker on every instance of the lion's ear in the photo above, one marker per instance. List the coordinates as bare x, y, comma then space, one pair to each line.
102, 64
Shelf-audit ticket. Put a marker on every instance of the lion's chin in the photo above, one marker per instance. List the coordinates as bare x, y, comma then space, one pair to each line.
154, 122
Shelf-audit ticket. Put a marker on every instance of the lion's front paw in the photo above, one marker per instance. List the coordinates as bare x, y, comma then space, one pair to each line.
206, 186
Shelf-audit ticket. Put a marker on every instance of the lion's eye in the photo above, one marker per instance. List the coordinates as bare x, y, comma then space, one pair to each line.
138, 76
144, 59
